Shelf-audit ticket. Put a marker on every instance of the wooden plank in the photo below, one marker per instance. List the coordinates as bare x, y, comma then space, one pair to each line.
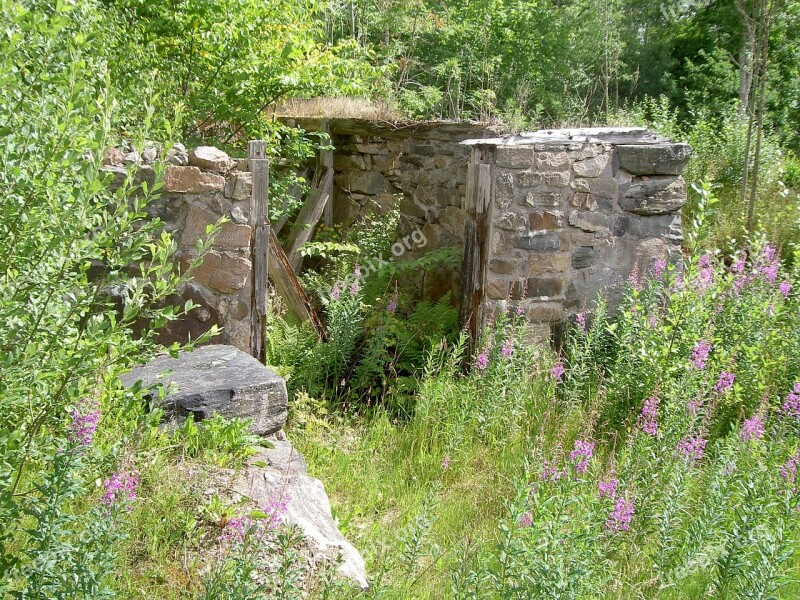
259, 246
309, 216
289, 288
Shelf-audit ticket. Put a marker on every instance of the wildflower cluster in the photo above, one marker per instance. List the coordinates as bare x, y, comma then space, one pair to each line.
621, 516
582, 452
83, 424
791, 405
119, 490
648, 418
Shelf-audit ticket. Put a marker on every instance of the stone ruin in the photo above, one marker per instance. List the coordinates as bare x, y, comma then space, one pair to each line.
550, 218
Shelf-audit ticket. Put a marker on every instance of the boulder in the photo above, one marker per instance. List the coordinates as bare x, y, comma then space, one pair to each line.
217, 379
211, 158
654, 159
281, 472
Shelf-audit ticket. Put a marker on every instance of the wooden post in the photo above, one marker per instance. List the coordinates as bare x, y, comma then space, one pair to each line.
259, 246
324, 161
476, 243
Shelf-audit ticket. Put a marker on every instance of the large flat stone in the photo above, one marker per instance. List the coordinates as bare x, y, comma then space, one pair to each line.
217, 379
654, 159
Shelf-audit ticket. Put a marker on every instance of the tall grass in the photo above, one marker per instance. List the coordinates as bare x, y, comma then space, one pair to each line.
655, 458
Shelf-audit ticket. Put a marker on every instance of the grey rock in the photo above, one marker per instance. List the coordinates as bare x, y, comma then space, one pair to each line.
654, 159
211, 158
539, 243
658, 195
237, 216
583, 257
150, 155
648, 227
307, 505
598, 166
177, 155
588, 221
217, 379
132, 158
238, 185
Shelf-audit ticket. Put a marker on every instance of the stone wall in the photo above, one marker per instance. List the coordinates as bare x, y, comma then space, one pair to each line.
419, 169
573, 213
569, 213
200, 187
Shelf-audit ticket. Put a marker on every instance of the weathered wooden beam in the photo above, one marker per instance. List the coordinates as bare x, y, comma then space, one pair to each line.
309, 217
259, 246
289, 288
476, 244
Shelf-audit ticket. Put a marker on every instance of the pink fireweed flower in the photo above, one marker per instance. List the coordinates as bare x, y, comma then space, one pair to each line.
607, 489
659, 266
336, 291
507, 351
700, 354
785, 287
647, 419
526, 520
446, 462
482, 361
235, 530
652, 322
703, 262
582, 452
752, 429
769, 253
633, 279
789, 470
551, 473
119, 488
355, 287
83, 425
580, 319
557, 371
694, 406
738, 267
691, 449
770, 272
725, 382
705, 279
791, 406
392, 306
276, 509
621, 515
